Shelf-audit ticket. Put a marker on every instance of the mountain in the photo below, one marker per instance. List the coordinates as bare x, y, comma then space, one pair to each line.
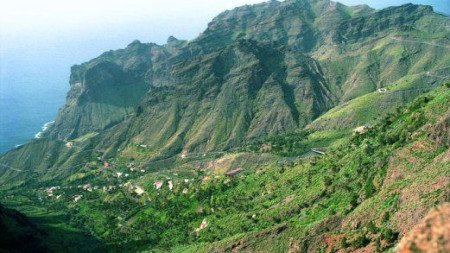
244, 138
305, 57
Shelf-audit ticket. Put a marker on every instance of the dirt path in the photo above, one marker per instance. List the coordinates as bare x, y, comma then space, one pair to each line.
9, 167
420, 42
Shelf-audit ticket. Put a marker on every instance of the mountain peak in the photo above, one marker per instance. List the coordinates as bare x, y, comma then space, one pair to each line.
171, 39
135, 42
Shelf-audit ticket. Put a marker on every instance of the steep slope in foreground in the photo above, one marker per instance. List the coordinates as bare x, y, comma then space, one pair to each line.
18, 234
41, 230
432, 234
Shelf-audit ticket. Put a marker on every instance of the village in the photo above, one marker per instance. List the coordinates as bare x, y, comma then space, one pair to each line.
135, 183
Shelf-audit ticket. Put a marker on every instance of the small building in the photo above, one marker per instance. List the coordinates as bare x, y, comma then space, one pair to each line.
106, 164
86, 187
77, 198
131, 166
128, 186
203, 225
69, 144
158, 184
138, 190
361, 129
265, 148
50, 190
382, 90
318, 151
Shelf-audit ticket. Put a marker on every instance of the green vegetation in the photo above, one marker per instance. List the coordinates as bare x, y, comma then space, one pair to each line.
244, 139
299, 143
314, 196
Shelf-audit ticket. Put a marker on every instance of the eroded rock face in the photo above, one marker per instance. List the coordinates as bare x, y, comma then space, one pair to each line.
432, 234
441, 132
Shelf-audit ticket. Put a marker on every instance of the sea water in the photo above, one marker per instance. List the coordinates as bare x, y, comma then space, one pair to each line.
29, 100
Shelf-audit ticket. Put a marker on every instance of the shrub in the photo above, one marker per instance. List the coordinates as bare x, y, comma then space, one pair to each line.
389, 235
344, 243
354, 201
360, 241
386, 216
371, 227
327, 181
378, 246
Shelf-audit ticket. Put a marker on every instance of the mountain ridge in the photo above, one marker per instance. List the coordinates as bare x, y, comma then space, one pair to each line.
119, 87
214, 28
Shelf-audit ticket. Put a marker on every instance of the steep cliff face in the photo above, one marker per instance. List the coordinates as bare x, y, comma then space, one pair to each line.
105, 90
304, 25
367, 26
431, 234
219, 100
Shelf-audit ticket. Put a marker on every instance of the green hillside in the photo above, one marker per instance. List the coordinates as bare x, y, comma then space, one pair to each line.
365, 193
294, 126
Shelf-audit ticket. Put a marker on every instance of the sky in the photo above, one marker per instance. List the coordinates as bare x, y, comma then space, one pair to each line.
82, 29
105, 21
29, 23
40, 40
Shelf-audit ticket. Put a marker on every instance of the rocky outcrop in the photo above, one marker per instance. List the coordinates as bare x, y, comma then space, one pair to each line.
431, 234
105, 90
441, 131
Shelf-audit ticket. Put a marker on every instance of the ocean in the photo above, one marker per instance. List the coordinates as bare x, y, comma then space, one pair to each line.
30, 95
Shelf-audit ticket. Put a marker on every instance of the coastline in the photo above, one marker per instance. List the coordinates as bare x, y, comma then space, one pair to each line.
44, 128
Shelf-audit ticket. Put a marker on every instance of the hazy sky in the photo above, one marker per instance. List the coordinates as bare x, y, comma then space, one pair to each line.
150, 20
66, 32
27, 22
